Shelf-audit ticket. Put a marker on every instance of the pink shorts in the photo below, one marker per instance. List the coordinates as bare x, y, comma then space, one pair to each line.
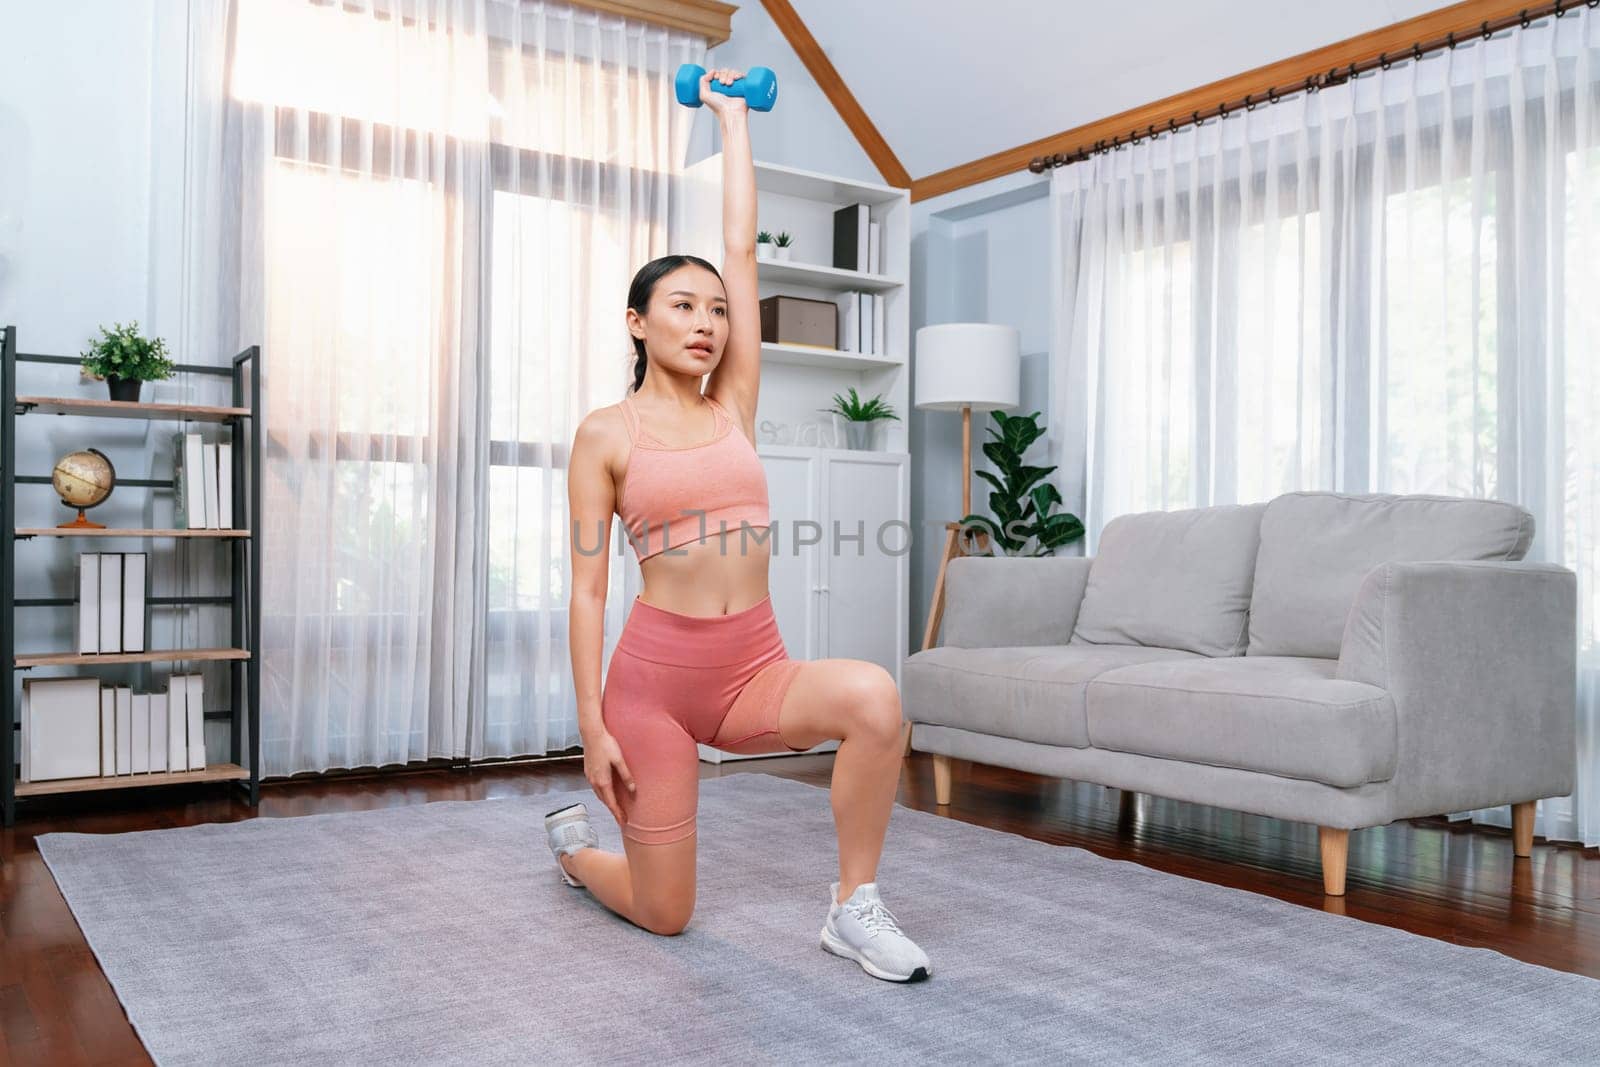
677, 680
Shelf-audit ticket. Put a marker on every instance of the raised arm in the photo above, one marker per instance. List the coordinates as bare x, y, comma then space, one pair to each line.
736, 380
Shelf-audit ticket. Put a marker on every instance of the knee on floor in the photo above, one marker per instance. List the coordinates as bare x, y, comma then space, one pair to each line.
668, 920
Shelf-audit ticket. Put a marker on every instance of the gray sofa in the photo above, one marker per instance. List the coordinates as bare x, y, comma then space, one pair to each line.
1335, 659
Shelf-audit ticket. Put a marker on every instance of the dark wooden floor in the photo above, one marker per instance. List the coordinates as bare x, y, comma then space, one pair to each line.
1443, 880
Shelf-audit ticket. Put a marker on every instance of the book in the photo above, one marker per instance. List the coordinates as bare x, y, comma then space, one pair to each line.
878, 325
110, 602
134, 567
158, 733
208, 467
88, 602
850, 236
124, 729
225, 484
108, 732
177, 724
874, 248
141, 734
194, 703
60, 728
188, 485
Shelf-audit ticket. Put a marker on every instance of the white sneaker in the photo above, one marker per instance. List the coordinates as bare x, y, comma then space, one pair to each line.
569, 830
862, 929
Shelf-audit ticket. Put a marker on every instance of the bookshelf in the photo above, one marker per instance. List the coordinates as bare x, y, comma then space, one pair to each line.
830, 602
241, 417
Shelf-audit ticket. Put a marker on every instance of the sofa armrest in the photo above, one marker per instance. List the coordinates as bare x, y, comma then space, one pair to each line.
1481, 661
995, 601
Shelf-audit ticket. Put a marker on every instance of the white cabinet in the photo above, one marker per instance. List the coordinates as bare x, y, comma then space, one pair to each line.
840, 557
840, 568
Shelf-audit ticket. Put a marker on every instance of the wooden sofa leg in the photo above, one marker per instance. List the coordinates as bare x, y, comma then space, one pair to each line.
1335, 853
1522, 827
941, 779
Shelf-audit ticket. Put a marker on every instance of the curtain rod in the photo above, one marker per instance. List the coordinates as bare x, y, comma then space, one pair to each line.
1335, 76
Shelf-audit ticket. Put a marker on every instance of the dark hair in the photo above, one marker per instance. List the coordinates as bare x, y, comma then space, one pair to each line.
643, 288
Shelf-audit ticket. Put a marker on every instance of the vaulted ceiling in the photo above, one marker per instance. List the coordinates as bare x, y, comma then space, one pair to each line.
947, 82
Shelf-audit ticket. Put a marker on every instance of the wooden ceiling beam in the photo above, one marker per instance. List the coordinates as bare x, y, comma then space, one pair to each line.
1462, 19
709, 18
844, 102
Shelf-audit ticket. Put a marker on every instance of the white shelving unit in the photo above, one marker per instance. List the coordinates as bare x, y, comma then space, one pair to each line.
831, 601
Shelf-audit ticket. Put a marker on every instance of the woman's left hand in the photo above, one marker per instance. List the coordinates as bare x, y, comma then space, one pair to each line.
721, 103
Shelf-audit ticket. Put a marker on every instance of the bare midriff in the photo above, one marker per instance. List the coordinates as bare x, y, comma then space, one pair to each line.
719, 575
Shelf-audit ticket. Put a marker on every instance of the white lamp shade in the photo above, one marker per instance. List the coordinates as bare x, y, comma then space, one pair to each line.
968, 364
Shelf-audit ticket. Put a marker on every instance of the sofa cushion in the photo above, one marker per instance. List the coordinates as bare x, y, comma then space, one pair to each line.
1031, 693
1317, 547
1287, 716
1173, 579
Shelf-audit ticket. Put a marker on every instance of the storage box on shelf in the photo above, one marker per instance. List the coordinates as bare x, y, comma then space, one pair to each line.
841, 518
243, 715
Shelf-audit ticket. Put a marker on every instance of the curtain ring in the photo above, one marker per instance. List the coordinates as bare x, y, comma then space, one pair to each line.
1450, 39
1383, 60
1272, 91
1524, 18
1353, 71
1559, 12
1486, 32
1151, 132
1416, 51
1248, 106
1194, 117
1222, 110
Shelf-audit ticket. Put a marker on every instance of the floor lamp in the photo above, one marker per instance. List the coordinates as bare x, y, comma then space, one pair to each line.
965, 367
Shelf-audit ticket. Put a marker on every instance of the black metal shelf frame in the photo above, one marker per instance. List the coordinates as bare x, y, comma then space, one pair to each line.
244, 596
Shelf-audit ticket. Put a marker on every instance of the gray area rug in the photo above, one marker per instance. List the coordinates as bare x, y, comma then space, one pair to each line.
441, 933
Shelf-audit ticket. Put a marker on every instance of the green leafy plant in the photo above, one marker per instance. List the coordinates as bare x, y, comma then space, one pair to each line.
857, 410
122, 352
764, 237
1022, 499
783, 240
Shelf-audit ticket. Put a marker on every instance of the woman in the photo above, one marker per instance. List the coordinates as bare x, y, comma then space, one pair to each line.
700, 659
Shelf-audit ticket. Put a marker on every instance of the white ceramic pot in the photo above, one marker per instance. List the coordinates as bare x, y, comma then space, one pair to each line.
764, 250
783, 251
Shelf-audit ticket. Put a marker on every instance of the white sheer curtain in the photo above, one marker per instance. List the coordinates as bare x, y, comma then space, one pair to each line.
439, 205
1388, 286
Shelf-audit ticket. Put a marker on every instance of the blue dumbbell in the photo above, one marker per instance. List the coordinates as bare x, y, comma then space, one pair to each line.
759, 87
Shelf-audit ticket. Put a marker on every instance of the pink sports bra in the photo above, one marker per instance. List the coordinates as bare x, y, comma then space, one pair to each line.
666, 487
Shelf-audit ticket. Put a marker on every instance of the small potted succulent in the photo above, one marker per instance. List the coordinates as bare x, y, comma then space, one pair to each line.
764, 246
861, 418
785, 245
123, 358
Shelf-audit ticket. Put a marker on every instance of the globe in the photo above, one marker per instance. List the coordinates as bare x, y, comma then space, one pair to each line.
83, 479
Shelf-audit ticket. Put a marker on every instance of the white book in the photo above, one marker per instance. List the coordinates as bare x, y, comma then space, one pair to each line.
158, 733
189, 504
124, 729
865, 321
141, 734
134, 565
25, 724
225, 484
863, 235
877, 323
847, 323
874, 249
108, 731
110, 602
177, 724
208, 460
195, 702
60, 728
88, 602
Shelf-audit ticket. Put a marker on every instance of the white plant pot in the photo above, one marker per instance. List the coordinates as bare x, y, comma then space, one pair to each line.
764, 250
861, 436
782, 251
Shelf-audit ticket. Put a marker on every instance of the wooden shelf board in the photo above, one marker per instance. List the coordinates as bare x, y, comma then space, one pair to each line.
823, 277
122, 409
816, 356
56, 531
217, 772
63, 659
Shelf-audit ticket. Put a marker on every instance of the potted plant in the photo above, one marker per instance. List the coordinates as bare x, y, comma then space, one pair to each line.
764, 245
860, 417
124, 358
1021, 500
784, 243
